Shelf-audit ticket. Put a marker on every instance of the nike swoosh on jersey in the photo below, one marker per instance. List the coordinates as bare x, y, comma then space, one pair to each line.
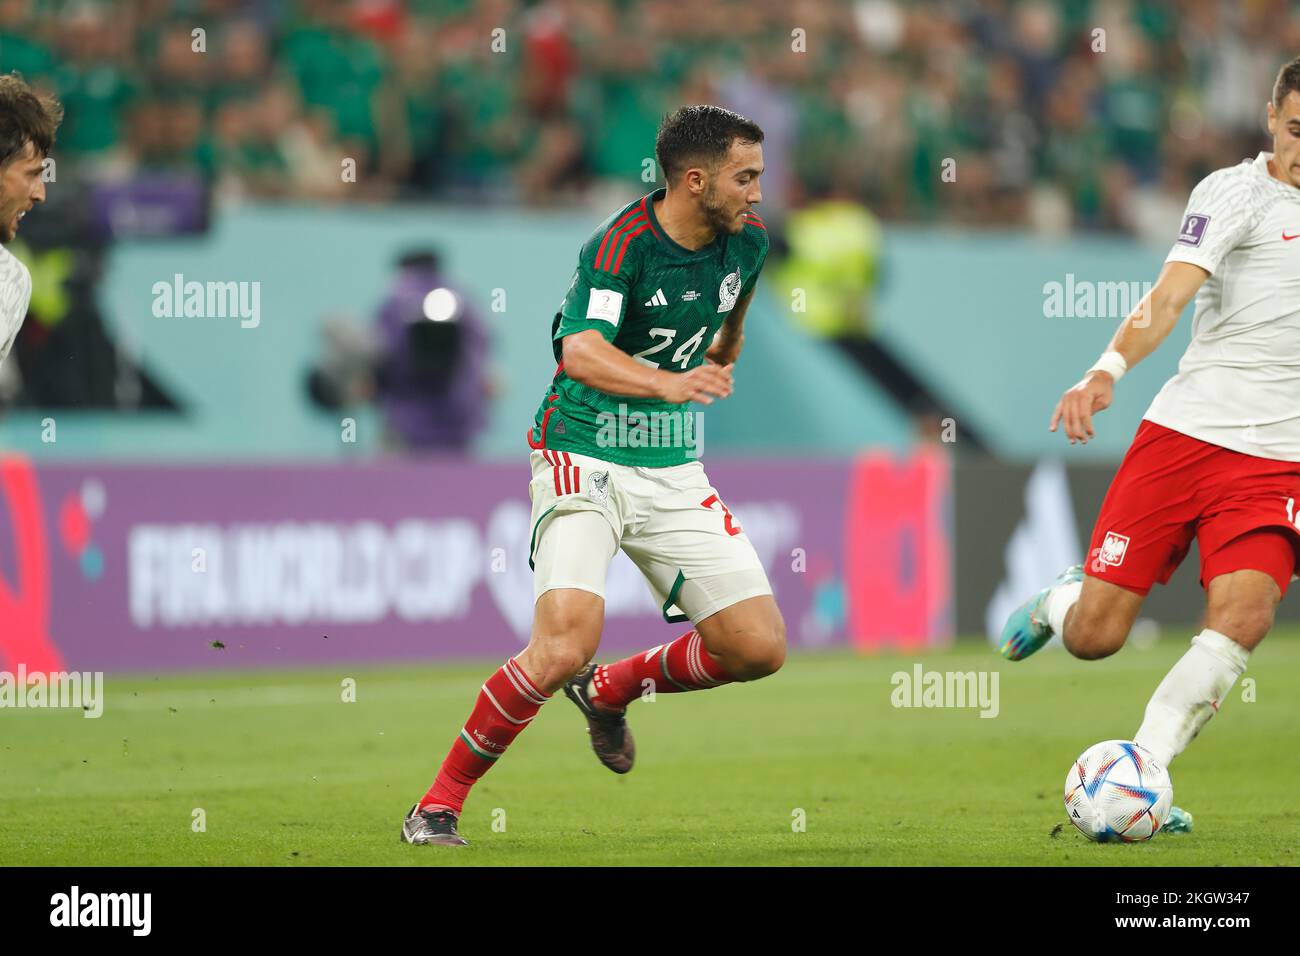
1286, 238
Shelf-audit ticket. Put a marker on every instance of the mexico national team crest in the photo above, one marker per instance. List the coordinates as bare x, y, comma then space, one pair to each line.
729, 291
1111, 553
598, 487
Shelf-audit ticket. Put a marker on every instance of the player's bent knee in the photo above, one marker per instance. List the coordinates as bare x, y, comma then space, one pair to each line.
567, 661
1093, 645
763, 653
1091, 639
551, 662
566, 633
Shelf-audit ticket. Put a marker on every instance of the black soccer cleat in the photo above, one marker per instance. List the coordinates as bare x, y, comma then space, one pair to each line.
431, 828
610, 737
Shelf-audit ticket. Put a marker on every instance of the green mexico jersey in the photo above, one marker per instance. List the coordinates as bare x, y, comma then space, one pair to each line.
661, 304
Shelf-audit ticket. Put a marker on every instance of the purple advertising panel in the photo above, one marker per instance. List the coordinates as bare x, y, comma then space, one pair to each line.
146, 567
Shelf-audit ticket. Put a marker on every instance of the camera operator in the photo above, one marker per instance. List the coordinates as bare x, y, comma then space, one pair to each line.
432, 375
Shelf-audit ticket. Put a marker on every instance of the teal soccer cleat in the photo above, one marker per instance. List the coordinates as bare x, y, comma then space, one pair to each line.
1178, 821
1027, 629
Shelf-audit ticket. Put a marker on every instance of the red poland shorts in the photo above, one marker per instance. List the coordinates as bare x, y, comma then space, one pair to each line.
1171, 487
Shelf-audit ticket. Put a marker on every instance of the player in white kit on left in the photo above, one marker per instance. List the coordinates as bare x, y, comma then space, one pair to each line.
1217, 455
27, 126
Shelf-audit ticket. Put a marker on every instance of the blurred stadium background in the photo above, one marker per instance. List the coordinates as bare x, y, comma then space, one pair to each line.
965, 198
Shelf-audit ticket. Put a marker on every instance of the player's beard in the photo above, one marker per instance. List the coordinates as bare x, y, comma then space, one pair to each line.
716, 214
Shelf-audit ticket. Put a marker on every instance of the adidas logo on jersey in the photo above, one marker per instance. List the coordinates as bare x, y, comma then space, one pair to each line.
657, 299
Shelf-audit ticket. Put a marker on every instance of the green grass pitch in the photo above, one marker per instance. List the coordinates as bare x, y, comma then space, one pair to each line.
287, 773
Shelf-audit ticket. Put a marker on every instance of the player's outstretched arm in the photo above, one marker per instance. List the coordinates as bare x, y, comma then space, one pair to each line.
591, 360
726, 345
1137, 337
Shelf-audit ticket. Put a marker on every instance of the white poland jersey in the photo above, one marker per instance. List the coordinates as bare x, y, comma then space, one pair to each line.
1238, 384
15, 295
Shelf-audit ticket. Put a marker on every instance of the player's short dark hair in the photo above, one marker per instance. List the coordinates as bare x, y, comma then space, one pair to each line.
26, 118
695, 134
1288, 80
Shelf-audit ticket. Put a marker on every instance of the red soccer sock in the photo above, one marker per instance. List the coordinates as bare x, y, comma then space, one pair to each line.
679, 666
505, 706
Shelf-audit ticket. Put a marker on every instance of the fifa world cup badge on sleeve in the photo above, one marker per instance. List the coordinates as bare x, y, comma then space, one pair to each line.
605, 304
1193, 230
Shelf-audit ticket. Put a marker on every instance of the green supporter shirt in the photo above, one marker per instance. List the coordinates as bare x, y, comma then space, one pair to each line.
661, 304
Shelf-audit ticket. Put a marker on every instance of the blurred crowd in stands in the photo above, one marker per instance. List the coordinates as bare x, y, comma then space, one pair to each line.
1050, 122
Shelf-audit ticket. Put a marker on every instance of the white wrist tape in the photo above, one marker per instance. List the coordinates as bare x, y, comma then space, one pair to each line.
1112, 362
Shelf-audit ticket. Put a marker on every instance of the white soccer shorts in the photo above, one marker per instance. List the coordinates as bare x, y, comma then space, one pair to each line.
670, 522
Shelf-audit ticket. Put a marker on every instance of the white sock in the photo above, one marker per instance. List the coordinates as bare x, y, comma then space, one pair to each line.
1059, 601
1190, 694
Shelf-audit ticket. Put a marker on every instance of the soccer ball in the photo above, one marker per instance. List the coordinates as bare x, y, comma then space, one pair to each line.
1117, 791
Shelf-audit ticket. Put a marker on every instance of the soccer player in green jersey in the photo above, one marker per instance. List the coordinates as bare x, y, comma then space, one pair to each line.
651, 322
